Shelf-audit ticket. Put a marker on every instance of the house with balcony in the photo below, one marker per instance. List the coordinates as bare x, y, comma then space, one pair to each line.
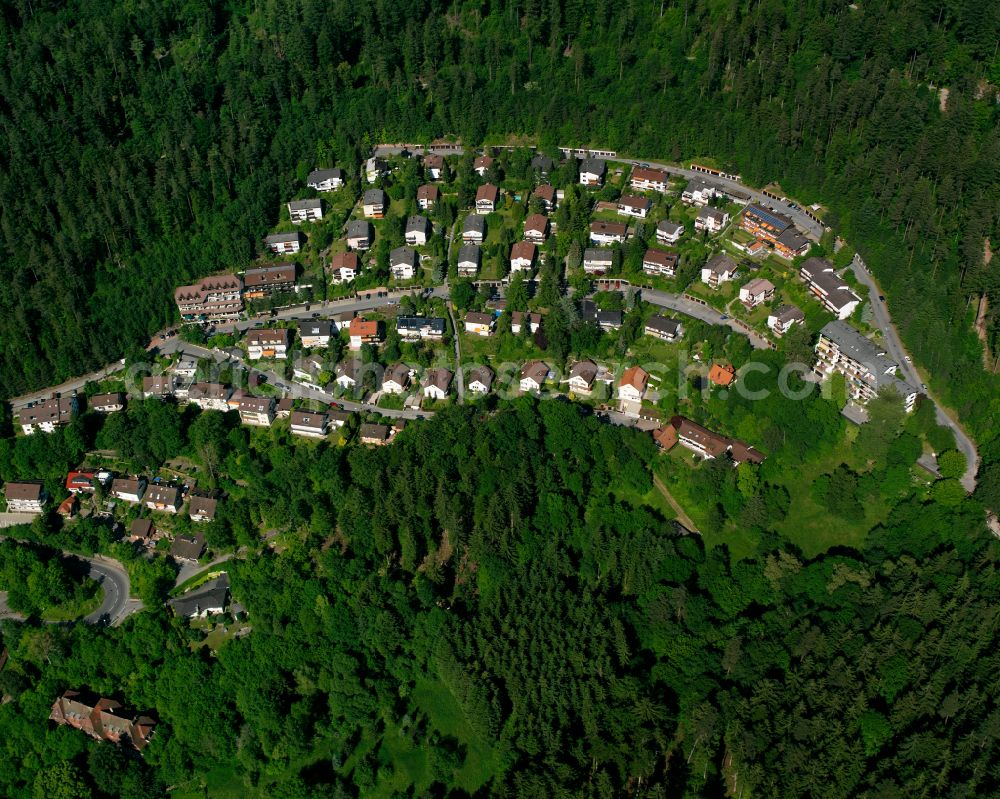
604, 233
310, 424
257, 411
300, 211
285, 243
522, 256
663, 328
479, 324
360, 234
711, 220
266, 281
403, 263
637, 207
668, 232
344, 267
486, 199
660, 262
598, 260
536, 228
325, 179
47, 415
592, 172
212, 299
374, 202
25, 496
469, 260
427, 197
646, 179
828, 287
362, 331
757, 292
418, 230
782, 319
719, 269
473, 229
163, 498
267, 343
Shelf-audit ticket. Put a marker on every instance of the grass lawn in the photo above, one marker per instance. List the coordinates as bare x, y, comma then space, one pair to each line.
195, 580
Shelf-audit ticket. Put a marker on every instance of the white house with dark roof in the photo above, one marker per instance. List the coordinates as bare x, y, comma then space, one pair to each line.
781, 319
663, 328
756, 292
597, 260
360, 234
473, 229
711, 220
403, 263
305, 210
374, 203
469, 260
311, 424
638, 207
592, 172
719, 269
325, 179
604, 233
418, 230
828, 287
668, 232
285, 243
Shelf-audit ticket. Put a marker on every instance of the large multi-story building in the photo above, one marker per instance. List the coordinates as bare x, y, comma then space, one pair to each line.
48, 414
828, 287
863, 363
211, 299
263, 281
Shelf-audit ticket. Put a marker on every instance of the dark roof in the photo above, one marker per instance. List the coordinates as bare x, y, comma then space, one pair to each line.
417, 224
376, 431
403, 255
594, 165
481, 373
319, 175
474, 224
359, 228
469, 252
24, 491
304, 205
374, 197
316, 327
141, 528
720, 264
269, 275
202, 506
213, 594
187, 546
542, 162
663, 324
775, 220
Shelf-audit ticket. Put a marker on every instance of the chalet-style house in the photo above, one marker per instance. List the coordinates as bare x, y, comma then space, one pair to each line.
427, 197
486, 199
482, 165
660, 262
469, 260
344, 266
756, 292
638, 207
316, 332
403, 263
434, 166
436, 383
598, 260
631, 390
533, 376
325, 179
646, 179
103, 719
864, 364
47, 415
210, 396
663, 328
708, 444
480, 379
479, 324
188, 547
711, 220
781, 319
603, 233
396, 379
546, 194
828, 287
267, 343
25, 496
719, 269
418, 230
211, 299
300, 211
374, 203
268, 280
668, 232
162, 498
360, 234
582, 376
473, 229
698, 192
285, 243
522, 256
592, 172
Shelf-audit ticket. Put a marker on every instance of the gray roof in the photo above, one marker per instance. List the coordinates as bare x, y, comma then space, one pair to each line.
316, 327
213, 594
435, 323
709, 212
359, 228
304, 205
664, 324
281, 238
863, 350
792, 239
598, 254
474, 223
403, 255
375, 197
611, 318
786, 313
721, 264
542, 162
319, 175
666, 226
820, 272
417, 224
595, 165
469, 252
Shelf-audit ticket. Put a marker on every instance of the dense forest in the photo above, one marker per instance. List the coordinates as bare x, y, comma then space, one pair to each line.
483, 608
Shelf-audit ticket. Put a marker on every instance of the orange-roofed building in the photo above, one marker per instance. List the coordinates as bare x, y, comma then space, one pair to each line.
362, 331
722, 374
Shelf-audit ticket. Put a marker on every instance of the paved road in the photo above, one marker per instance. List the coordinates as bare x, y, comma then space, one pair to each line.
895, 347
189, 570
75, 384
459, 377
705, 313
14, 519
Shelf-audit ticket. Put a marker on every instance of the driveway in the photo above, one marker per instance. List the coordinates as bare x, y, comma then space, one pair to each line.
706, 313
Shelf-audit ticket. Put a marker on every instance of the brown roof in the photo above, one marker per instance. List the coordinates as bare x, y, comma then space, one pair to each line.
713, 443
157, 384
105, 400
518, 316
277, 275
660, 257
584, 369
482, 161
439, 377
24, 491
722, 374
307, 419
535, 370
126, 485
741, 451
652, 175
398, 373
428, 192
477, 318
610, 228
432, 160
636, 377
635, 202
188, 546
536, 222
202, 506
141, 528
522, 249
207, 285
267, 336
256, 404
344, 260
161, 495
665, 436
378, 432
546, 192
487, 192
481, 373
208, 391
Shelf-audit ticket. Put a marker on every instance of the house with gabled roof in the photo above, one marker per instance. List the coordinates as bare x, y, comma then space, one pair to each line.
711, 220
480, 379
363, 331
403, 263
482, 165
756, 292
546, 193
473, 229
592, 172
603, 233
660, 262
202, 509
536, 228
719, 269
360, 234
325, 179
647, 179
638, 207
305, 210
631, 390
427, 196
344, 266
285, 243
668, 232
533, 376
781, 319
374, 202
309, 424
663, 328
436, 383
486, 199
163, 498
469, 260
418, 230
522, 256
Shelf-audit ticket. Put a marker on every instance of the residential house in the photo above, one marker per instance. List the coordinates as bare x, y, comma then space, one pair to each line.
757, 292
158, 386
698, 192
418, 230
608, 320
305, 210
480, 379
403, 263
433, 166
436, 382
828, 287
791, 244
374, 203
233, 403
668, 232
185, 367
486, 199
427, 197
257, 411
413, 328
47, 415
128, 489
533, 376
337, 418
663, 328
522, 256
375, 168
396, 379
349, 372
699, 439
316, 332
712, 220
69, 507
360, 234
536, 228
546, 193
283, 408
480, 324
722, 374
603, 233
344, 266
285, 243
209, 598
665, 436
377, 434
638, 207
82, 481
163, 498
473, 229
582, 376
103, 719
598, 261
188, 547
542, 164
646, 179
311, 424
107, 403
268, 280
141, 531
211, 299
740, 451
631, 390
325, 179
267, 342
865, 364
719, 269
307, 370
780, 320
592, 172
210, 396
482, 165
363, 331
202, 509
469, 260
660, 262
517, 318
25, 496
764, 224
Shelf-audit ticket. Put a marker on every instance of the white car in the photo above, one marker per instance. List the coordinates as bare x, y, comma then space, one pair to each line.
908, 359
